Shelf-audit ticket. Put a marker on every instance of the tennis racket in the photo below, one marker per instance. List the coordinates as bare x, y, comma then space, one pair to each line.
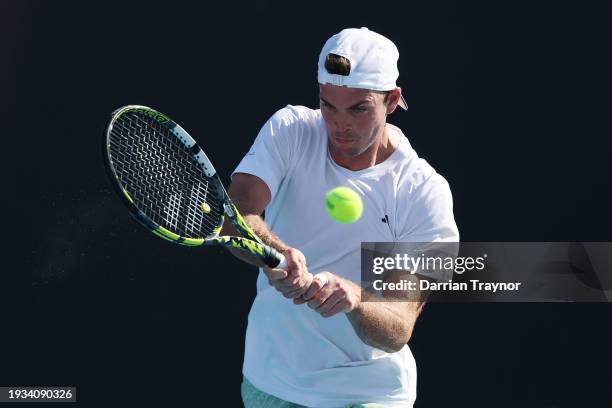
170, 186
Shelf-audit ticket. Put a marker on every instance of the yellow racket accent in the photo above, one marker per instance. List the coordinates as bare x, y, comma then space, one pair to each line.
243, 226
166, 234
171, 236
193, 241
217, 230
127, 195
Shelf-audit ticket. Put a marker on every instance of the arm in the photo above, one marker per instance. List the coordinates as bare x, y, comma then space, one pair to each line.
389, 325
386, 325
251, 195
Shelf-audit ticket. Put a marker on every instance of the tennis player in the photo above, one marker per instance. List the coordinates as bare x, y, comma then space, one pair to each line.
311, 339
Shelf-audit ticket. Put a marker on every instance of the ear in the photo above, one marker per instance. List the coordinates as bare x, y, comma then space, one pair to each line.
393, 99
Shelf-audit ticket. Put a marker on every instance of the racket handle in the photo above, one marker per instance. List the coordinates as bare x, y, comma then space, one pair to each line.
283, 262
273, 258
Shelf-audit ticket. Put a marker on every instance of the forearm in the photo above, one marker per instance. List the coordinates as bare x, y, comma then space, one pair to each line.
382, 322
251, 195
260, 229
385, 325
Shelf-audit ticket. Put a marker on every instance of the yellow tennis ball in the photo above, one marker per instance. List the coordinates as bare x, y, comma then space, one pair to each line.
205, 207
343, 205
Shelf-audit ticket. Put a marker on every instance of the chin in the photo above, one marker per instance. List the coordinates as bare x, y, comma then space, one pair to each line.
345, 151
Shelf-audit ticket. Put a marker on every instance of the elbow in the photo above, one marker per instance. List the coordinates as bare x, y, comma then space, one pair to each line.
392, 348
395, 342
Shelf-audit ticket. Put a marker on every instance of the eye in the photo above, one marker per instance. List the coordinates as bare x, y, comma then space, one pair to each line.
359, 109
326, 105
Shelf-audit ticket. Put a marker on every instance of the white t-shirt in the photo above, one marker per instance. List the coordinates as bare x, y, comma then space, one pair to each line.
291, 351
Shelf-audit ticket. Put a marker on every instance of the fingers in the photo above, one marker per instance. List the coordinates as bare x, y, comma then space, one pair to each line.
293, 282
329, 295
317, 284
325, 293
323, 296
333, 306
288, 282
296, 262
335, 303
298, 301
275, 274
292, 287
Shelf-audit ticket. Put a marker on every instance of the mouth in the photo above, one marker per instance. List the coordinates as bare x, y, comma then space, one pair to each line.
343, 140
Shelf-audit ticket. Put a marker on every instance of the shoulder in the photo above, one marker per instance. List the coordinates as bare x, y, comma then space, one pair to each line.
418, 184
424, 203
410, 170
418, 180
299, 127
292, 115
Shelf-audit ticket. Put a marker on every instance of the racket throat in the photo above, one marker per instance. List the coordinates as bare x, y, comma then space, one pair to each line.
228, 210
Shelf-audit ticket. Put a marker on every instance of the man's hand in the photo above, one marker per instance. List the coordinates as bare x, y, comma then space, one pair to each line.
329, 295
294, 281
386, 325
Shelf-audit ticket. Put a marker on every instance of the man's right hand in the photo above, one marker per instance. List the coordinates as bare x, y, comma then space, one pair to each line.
294, 281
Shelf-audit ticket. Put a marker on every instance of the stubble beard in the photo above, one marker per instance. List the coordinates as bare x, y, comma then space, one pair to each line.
352, 152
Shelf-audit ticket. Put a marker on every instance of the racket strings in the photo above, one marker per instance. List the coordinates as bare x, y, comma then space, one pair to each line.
162, 176
172, 187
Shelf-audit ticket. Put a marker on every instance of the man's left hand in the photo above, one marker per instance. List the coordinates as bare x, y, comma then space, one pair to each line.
330, 294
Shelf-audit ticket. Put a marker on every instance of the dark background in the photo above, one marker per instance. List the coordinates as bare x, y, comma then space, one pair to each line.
507, 101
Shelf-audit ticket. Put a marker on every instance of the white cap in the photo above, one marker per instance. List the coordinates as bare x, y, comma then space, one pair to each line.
373, 60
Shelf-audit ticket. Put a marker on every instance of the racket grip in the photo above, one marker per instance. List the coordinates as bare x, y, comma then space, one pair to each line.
282, 264
274, 259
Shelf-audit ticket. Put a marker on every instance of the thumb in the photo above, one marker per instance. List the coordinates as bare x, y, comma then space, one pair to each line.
293, 267
275, 274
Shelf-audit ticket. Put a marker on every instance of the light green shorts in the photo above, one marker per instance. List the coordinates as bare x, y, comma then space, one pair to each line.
255, 398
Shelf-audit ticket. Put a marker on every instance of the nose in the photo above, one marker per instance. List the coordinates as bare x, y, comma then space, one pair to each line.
341, 123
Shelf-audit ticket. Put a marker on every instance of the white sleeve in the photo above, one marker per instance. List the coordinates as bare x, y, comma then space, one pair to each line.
272, 152
430, 214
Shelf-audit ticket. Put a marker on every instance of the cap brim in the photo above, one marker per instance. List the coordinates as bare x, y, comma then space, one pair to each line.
402, 102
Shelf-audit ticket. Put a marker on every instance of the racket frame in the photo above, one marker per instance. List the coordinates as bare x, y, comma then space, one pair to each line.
248, 242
